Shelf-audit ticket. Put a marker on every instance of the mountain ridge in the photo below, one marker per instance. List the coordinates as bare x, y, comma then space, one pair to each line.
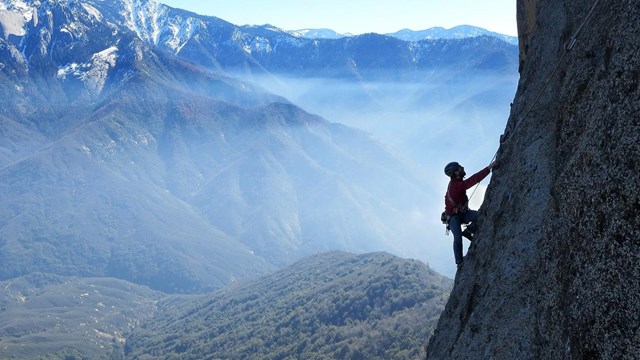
433, 33
147, 167
456, 32
217, 44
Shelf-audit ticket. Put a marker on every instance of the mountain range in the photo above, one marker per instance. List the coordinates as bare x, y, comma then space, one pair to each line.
317, 34
125, 155
456, 32
143, 150
434, 33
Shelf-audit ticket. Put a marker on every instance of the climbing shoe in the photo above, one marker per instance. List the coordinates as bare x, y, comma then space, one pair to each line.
466, 233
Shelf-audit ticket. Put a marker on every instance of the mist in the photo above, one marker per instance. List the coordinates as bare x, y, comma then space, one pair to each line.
442, 116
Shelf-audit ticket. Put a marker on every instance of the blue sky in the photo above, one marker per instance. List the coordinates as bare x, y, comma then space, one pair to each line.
360, 16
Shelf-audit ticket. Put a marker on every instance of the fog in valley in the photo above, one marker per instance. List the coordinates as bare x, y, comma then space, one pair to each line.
161, 180
436, 118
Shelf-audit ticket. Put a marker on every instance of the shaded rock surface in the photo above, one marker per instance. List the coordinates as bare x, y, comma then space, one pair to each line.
555, 271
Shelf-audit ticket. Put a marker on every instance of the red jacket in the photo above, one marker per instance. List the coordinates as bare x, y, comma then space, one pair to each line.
457, 191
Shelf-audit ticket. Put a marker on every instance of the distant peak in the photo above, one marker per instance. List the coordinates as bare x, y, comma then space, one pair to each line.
456, 32
322, 33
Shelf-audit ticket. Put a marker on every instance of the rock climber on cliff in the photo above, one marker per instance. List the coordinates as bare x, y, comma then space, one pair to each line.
456, 203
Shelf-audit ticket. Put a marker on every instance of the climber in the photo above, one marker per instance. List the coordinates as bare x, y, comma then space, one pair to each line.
456, 203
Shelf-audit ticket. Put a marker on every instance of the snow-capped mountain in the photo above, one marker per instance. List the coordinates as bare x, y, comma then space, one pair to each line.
93, 73
120, 158
139, 93
435, 33
153, 22
217, 44
14, 16
457, 32
318, 34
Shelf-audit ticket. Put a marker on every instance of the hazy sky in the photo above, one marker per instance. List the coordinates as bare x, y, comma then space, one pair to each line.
360, 16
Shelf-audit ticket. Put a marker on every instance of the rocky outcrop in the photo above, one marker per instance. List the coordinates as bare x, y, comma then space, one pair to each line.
555, 271
526, 15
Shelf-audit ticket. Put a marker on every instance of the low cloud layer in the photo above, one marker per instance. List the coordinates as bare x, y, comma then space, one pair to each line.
428, 123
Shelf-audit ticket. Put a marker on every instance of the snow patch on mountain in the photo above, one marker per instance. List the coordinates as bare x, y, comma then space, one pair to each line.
142, 17
93, 73
317, 34
261, 45
92, 11
76, 29
180, 31
15, 5
253, 43
13, 17
158, 24
12, 23
457, 32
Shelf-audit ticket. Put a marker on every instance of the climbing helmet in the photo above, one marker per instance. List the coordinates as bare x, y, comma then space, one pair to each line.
450, 168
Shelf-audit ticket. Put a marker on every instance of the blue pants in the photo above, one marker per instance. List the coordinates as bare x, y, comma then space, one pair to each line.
455, 225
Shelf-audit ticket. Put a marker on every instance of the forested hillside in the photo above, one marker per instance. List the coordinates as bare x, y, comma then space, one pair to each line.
330, 306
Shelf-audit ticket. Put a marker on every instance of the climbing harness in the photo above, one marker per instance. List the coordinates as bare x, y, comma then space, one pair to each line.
458, 209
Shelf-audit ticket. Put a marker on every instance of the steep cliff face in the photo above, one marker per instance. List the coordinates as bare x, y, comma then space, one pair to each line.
555, 271
526, 16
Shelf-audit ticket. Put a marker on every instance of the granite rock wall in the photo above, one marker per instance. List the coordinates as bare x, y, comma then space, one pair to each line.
555, 270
